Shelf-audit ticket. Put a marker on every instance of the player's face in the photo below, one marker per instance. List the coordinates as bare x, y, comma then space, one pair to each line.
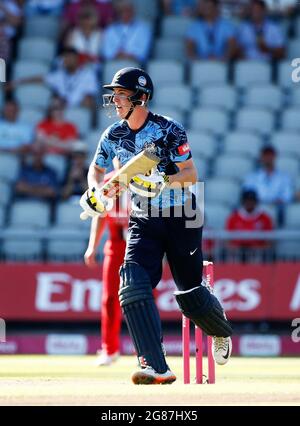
121, 101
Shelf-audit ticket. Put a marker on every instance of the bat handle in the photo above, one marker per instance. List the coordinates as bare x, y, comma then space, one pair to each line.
84, 216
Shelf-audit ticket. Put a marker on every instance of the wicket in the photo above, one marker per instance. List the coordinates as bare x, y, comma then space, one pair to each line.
208, 270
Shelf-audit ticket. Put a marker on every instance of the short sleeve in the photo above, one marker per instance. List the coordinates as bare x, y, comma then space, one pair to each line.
104, 153
178, 143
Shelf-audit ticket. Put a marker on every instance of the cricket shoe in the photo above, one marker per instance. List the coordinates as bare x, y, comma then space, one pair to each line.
148, 376
105, 359
222, 347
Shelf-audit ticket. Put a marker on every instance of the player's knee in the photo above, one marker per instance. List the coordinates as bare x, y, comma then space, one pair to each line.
204, 309
135, 285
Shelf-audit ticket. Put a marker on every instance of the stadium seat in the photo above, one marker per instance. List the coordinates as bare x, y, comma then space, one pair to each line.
42, 26
233, 166
31, 116
284, 75
5, 192
286, 143
165, 72
174, 96
264, 96
2, 216
207, 73
57, 163
64, 250
293, 48
248, 73
210, 119
216, 215
24, 69
67, 215
175, 26
242, 143
30, 213
271, 210
289, 164
290, 119
22, 249
290, 248
81, 117
146, 10
111, 67
173, 113
295, 97
202, 167
202, 144
33, 96
220, 190
256, 120
169, 49
36, 49
224, 96
9, 167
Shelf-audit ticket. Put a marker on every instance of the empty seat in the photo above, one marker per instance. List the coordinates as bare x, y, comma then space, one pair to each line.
31, 116
24, 69
256, 120
242, 143
64, 250
290, 119
146, 10
175, 26
220, 190
271, 210
9, 167
165, 72
2, 216
57, 163
5, 192
215, 215
42, 26
210, 119
22, 249
248, 73
170, 112
68, 215
33, 96
264, 96
202, 167
224, 96
233, 166
293, 48
202, 144
35, 214
111, 67
286, 142
295, 97
169, 48
205, 73
36, 49
81, 117
176, 96
284, 75
289, 165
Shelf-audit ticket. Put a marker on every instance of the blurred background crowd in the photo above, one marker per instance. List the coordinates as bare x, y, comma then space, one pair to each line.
221, 68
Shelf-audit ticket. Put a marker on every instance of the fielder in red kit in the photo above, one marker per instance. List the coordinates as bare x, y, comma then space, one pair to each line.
114, 251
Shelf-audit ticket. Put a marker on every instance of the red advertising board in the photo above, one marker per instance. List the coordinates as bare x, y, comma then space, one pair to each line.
73, 292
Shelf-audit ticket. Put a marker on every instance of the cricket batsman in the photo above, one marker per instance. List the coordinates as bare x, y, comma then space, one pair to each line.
155, 227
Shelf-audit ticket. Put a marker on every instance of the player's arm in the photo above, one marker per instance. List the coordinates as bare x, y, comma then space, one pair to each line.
96, 232
92, 201
186, 176
95, 176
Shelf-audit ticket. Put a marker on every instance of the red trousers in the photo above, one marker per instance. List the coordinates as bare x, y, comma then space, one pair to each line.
110, 309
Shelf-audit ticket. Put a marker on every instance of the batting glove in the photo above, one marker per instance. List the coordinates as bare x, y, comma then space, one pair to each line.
94, 203
149, 186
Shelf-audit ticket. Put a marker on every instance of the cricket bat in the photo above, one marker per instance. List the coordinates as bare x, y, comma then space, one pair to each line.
140, 163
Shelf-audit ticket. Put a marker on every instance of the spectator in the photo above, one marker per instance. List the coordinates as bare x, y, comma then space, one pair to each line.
44, 7
11, 12
15, 136
36, 180
129, 37
75, 181
260, 38
211, 36
74, 84
104, 10
249, 217
55, 134
271, 184
85, 37
178, 7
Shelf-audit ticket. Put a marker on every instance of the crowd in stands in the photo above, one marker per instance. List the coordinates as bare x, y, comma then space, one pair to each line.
63, 50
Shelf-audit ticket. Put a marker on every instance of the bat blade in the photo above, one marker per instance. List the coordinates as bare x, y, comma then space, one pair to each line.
140, 163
